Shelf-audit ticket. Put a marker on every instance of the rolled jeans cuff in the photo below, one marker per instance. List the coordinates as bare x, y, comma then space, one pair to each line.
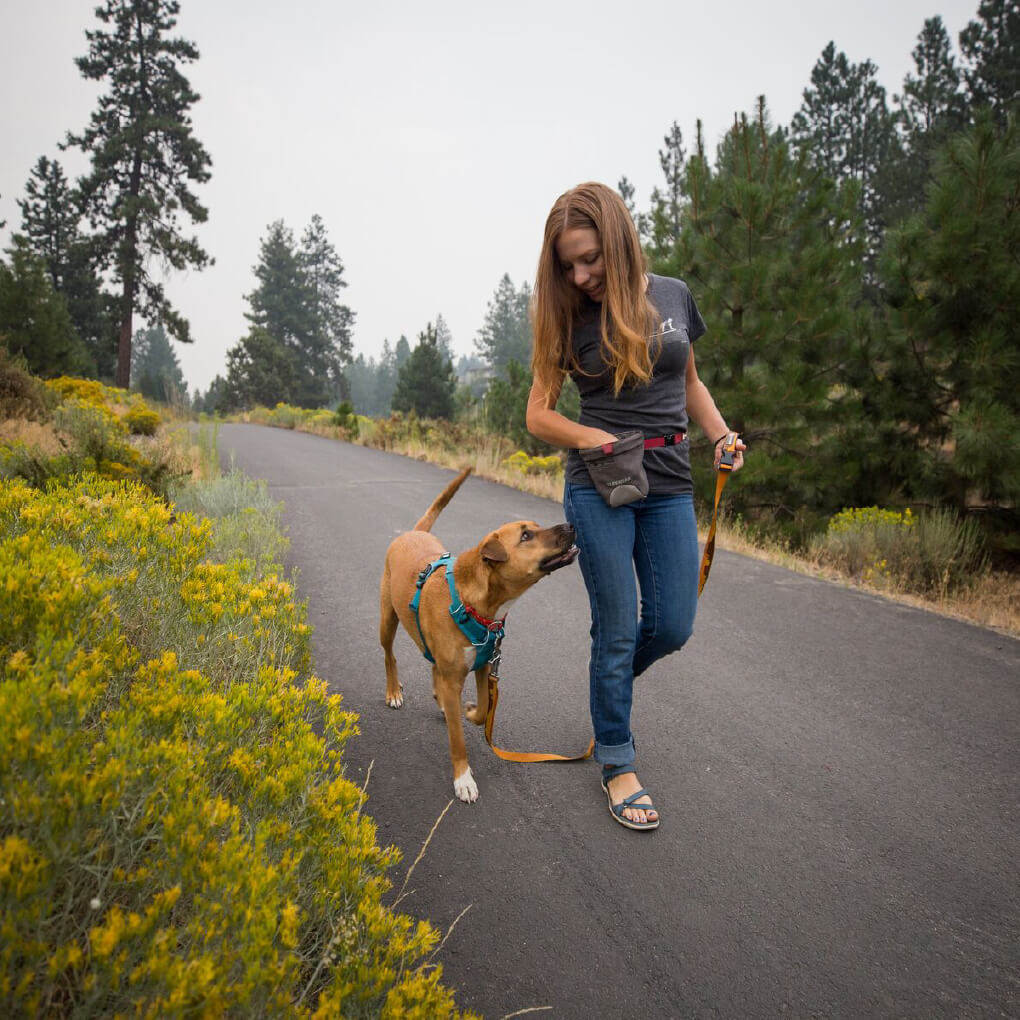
615, 754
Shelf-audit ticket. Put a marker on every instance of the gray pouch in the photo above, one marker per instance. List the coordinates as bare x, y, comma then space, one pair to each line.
618, 469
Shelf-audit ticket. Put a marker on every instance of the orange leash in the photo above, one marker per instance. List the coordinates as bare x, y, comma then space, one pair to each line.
722, 477
725, 470
527, 756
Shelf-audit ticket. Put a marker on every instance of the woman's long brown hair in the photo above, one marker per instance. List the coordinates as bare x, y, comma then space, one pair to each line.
628, 318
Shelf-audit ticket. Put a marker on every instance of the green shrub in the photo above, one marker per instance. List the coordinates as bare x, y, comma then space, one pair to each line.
178, 837
345, 418
21, 394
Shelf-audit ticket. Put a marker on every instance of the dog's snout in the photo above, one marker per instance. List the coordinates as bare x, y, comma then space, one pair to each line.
565, 533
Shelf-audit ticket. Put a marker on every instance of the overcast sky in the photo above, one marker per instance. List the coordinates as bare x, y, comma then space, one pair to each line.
432, 137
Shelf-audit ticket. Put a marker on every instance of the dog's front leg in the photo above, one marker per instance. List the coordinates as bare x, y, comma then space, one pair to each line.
477, 713
448, 696
387, 631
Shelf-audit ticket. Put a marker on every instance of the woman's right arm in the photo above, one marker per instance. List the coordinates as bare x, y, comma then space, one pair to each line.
546, 423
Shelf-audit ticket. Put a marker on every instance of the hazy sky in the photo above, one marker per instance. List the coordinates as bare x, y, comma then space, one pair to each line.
432, 137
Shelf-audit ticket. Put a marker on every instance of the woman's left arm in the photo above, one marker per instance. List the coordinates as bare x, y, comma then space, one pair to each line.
702, 411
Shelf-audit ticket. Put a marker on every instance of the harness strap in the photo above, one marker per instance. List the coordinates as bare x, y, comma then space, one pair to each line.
483, 634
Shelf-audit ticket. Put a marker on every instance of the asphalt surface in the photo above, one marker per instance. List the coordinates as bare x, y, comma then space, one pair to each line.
837, 776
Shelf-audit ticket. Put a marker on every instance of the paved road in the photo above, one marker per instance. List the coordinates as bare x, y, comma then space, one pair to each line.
837, 776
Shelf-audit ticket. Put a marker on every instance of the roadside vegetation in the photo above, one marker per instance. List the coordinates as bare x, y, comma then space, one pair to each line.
932, 557
178, 836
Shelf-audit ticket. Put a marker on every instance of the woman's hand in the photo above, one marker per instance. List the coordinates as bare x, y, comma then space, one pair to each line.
738, 457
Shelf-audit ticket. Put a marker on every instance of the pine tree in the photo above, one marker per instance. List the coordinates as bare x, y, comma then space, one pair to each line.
845, 126
770, 248
426, 381
144, 156
931, 108
444, 338
259, 372
34, 321
991, 46
505, 335
329, 344
948, 371
667, 205
50, 228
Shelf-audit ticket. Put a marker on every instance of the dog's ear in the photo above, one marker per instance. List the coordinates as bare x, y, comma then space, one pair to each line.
493, 550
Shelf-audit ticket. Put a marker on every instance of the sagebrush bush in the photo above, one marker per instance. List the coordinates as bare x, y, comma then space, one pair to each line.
177, 835
929, 553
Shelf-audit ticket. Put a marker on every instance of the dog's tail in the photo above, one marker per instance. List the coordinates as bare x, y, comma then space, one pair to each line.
430, 515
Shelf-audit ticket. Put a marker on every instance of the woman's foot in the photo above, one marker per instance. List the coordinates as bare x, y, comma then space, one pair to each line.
640, 812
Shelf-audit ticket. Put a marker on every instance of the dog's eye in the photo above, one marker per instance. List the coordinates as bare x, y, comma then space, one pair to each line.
527, 536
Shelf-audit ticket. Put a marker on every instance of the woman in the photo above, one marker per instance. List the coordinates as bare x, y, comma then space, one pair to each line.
626, 337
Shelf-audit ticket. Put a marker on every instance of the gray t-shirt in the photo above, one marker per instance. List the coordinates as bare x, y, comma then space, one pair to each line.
655, 408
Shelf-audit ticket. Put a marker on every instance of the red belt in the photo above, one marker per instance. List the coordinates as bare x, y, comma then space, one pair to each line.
673, 439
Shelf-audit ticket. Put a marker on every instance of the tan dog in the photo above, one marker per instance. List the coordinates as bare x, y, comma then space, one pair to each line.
500, 568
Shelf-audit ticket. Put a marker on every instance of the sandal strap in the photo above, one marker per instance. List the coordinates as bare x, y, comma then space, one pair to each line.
628, 802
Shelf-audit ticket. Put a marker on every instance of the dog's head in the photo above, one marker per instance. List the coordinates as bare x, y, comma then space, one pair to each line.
521, 553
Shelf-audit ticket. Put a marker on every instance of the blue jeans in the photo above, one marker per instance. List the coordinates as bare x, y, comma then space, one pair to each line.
650, 547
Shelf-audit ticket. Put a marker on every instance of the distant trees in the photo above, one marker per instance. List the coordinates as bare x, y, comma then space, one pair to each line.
301, 332
154, 367
144, 158
505, 334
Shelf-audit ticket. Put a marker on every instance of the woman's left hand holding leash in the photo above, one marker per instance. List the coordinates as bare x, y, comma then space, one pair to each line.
738, 455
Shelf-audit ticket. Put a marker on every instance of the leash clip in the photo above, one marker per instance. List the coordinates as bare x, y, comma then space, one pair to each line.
494, 662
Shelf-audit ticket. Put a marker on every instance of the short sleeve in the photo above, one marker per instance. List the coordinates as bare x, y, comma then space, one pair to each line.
695, 323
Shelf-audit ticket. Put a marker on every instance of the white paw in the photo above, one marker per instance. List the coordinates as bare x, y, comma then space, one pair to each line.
396, 701
465, 787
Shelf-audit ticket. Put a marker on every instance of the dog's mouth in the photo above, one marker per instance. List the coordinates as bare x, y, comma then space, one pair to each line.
561, 559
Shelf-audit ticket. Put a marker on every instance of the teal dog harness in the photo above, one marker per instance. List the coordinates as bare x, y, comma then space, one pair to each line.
484, 635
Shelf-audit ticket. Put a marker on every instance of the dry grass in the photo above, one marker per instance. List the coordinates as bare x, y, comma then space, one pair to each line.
993, 600
36, 435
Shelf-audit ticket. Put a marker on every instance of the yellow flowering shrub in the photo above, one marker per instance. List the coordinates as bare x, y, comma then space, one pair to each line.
140, 419
85, 391
96, 438
177, 834
537, 465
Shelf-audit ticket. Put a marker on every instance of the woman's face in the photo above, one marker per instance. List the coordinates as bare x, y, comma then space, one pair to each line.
579, 251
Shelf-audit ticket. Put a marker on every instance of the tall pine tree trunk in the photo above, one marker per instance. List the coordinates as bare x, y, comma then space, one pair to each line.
129, 262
